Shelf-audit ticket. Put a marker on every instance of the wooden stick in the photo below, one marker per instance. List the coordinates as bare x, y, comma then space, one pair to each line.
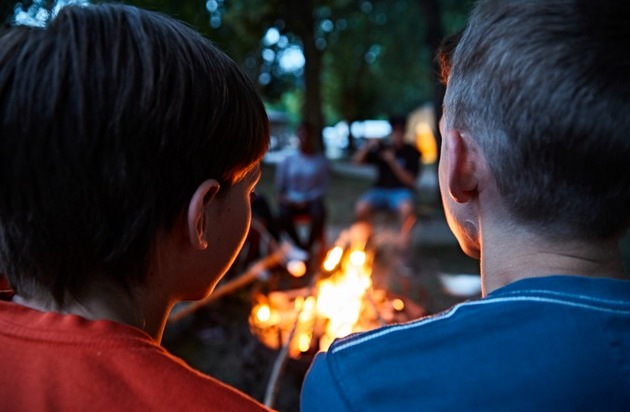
281, 360
246, 278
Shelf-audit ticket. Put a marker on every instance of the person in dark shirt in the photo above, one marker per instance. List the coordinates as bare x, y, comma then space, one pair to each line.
398, 167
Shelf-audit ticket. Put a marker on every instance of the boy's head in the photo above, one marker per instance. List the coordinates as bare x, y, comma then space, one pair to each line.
542, 86
110, 117
305, 132
398, 125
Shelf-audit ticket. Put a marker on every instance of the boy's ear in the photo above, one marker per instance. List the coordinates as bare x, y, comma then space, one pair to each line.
196, 218
463, 166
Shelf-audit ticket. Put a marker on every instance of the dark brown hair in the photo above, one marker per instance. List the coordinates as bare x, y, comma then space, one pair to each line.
110, 117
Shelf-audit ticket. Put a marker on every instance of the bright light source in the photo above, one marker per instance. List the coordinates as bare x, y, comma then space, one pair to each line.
296, 268
398, 304
425, 142
263, 314
291, 59
333, 258
271, 37
357, 257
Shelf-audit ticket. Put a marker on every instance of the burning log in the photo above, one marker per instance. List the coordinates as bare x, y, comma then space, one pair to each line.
341, 301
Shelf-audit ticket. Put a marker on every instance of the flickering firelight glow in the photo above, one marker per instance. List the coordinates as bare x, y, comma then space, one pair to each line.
398, 304
296, 268
333, 258
263, 313
341, 300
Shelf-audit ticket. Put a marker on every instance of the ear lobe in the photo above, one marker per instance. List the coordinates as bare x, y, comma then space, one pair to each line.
462, 166
196, 218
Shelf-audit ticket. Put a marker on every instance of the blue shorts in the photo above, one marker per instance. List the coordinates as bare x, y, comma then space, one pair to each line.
391, 199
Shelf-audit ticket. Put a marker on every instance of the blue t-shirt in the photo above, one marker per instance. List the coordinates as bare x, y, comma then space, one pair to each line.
558, 343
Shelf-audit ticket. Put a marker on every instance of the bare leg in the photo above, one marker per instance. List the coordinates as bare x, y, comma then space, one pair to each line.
407, 218
363, 211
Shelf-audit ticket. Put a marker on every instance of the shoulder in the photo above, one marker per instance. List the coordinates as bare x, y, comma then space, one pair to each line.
437, 338
488, 343
95, 351
194, 390
360, 372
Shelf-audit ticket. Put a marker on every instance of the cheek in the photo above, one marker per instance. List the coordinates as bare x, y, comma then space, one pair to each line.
231, 230
241, 228
237, 224
463, 227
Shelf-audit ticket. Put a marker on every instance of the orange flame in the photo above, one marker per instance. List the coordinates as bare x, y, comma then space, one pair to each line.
332, 310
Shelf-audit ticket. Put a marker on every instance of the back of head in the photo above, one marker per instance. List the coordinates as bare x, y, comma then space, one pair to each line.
110, 117
398, 125
306, 131
398, 122
543, 86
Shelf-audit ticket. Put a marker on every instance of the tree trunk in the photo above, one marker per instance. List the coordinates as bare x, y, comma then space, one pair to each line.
434, 35
312, 109
300, 20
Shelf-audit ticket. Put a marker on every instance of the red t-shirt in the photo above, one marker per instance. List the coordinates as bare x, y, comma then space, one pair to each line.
60, 362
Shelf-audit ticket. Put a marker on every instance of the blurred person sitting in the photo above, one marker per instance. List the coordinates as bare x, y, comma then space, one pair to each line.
398, 167
129, 148
534, 177
302, 183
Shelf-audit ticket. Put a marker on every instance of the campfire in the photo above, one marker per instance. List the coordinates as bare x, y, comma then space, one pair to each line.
349, 293
342, 299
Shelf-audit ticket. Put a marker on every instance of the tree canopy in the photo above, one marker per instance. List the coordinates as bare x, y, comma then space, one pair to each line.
322, 60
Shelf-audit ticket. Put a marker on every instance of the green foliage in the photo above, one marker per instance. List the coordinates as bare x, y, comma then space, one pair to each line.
375, 59
375, 63
193, 12
455, 14
290, 102
371, 56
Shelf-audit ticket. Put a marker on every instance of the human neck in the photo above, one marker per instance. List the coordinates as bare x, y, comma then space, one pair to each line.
109, 302
521, 254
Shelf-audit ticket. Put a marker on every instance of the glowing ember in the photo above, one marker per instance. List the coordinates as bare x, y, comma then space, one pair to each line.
263, 313
340, 298
333, 258
296, 268
398, 304
357, 258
